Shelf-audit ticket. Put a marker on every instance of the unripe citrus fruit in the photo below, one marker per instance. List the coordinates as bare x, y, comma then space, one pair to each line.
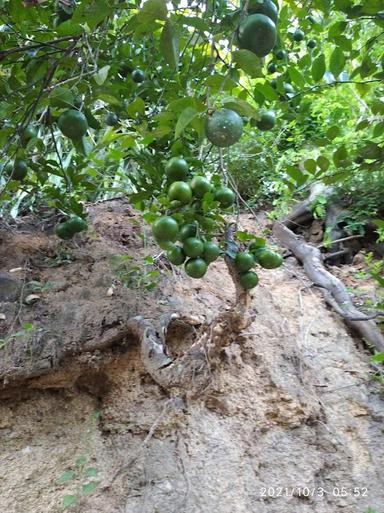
248, 280
165, 229
211, 252
280, 54
62, 231
18, 171
73, 124
200, 186
176, 255
258, 34
224, 128
269, 259
177, 169
244, 261
180, 191
298, 35
267, 120
196, 267
272, 67
266, 7
28, 133
193, 247
76, 224
187, 230
311, 43
225, 196
138, 76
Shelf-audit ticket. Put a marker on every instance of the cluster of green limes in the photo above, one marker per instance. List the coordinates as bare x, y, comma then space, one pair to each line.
195, 249
256, 254
67, 229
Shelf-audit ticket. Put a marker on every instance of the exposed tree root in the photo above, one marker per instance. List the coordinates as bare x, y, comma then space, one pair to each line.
335, 292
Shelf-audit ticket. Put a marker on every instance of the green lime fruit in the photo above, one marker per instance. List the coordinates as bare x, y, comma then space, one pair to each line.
269, 259
225, 196
288, 89
165, 228
176, 169
311, 44
244, 261
200, 186
267, 120
266, 7
193, 247
28, 133
224, 128
176, 255
256, 246
248, 280
187, 230
62, 231
258, 34
76, 224
138, 76
18, 171
211, 252
196, 267
73, 124
112, 119
180, 191
298, 35
272, 67
280, 54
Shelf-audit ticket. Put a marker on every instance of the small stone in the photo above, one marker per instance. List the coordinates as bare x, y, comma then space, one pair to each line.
9, 287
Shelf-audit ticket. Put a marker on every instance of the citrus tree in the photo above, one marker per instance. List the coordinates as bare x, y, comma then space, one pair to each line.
151, 99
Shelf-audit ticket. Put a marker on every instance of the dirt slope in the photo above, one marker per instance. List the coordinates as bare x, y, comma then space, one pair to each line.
291, 412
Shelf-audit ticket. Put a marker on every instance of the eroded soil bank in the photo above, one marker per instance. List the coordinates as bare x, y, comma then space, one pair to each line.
292, 410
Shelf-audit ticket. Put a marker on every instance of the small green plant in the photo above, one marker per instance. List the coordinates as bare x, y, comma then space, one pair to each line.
133, 275
319, 206
82, 475
27, 327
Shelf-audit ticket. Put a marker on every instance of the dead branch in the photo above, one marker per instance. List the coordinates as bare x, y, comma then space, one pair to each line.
311, 259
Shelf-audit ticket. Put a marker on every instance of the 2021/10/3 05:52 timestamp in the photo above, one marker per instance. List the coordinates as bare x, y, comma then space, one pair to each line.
306, 491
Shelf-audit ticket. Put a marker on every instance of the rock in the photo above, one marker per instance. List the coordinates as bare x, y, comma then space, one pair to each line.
9, 287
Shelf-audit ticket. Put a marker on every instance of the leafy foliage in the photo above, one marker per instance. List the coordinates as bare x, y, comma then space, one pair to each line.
159, 69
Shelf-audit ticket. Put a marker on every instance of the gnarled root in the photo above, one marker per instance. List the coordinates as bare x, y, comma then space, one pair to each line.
335, 292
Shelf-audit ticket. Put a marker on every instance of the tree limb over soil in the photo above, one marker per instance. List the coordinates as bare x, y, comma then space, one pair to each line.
335, 292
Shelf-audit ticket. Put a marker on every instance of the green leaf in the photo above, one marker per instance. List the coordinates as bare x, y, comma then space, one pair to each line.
101, 75
242, 107
296, 174
337, 62
318, 68
267, 91
67, 476
169, 45
92, 471
340, 155
323, 163
184, 120
136, 107
378, 358
248, 62
153, 10
296, 77
69, 500
310, 165
333, 132
221, 83
90, 487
